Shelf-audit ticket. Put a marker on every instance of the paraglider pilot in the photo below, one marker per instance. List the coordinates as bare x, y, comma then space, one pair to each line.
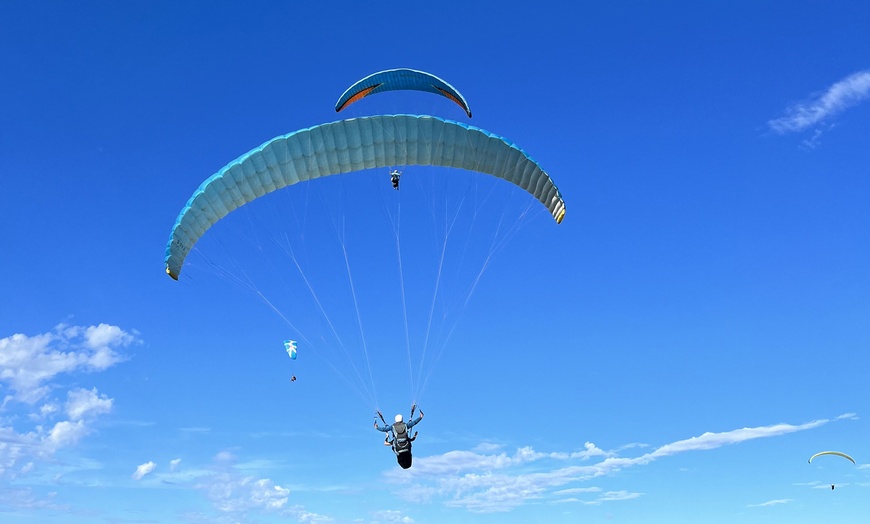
398, 437
394, 178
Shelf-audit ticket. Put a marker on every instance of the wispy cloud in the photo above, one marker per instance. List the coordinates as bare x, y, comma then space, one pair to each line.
770, 503
390, 516
613, 495
142, 470
605, 496
500, 482
716, 440
814, 141
194, 431
487, 447
818, 109
306, 517
575, 491
26, 499
235, 494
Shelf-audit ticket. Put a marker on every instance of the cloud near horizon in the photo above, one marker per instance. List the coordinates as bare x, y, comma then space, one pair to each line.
488, 483
770, 503
236, 494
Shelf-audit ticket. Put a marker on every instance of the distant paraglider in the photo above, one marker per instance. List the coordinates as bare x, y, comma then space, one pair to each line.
290, 347
400, 79
835, 453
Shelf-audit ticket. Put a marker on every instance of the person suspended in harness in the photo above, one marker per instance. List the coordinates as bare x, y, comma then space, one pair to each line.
394, 178
398, 436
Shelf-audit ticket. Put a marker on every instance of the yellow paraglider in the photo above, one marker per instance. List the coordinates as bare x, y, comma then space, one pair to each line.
837, 453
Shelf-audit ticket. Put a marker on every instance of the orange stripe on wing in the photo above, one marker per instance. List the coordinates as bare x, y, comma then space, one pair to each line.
451, 97
361, 94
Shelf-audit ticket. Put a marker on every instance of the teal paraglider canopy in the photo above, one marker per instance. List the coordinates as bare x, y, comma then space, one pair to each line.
348, 146
400, 79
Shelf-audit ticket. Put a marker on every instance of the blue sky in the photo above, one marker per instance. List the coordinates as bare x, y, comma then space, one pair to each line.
672, 352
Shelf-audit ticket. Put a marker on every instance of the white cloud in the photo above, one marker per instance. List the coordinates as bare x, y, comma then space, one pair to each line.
306, 517
389, 516
500, 482
716, 440
457, 461
233, 493
26, 499
45, 411
590, 450
66, 433
612, 496
619, 495
844, 94
574, 491
225, 456
105, 336
28, 363
814, 141
142, 470
605, 496
83, 403
16, 450
28, 367
487, 447
498, 492
770, 503
236, 495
